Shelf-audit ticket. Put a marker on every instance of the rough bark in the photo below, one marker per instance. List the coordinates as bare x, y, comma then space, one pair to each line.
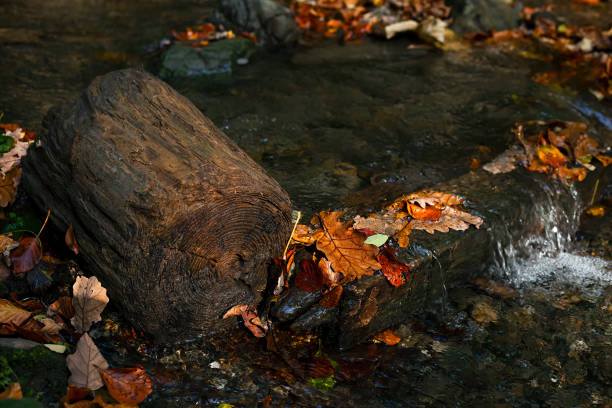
177, 222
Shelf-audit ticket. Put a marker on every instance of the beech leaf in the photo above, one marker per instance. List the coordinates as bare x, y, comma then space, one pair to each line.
27, 255
85, 363
127, 385
89, 300
386, 224
71, 241
392, 268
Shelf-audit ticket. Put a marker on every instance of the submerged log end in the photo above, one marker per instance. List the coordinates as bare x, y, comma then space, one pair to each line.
177, 222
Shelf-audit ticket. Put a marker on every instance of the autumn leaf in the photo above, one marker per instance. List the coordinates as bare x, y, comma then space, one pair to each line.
451, 219
71, 241
596, 211
12, 317
304, 235
585, 147
7, 245
605, 160
62, 307
429, 212
85, 363
330, 277
8, 186
506, 162
575, 174
331, 298
388, 337
392, 268
89, 300
309, 277
74, 394
551, 155
127, 385
250, 319
12, 158
386, 224
27, 255
403, 236
345, 248
425, 198
12, 392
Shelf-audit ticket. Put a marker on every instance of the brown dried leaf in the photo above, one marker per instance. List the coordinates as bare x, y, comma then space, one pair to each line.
304, 235
12, 317
237, 310
345, 248
62, 307
50, 326
451, 219
386, 224
424, 198
331, 298
330, 277
12, 158
8, 186
388, 337
506, 162
85, 365
89, 300
7, 245
12, 392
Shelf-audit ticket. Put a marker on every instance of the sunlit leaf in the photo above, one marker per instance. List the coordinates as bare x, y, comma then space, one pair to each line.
395, 271
89, 300
127, 385
85, 365
388, 337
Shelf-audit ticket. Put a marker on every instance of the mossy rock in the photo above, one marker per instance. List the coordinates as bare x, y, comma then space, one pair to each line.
219, 58
42, 373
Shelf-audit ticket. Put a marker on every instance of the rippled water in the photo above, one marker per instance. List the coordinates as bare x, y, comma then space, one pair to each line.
327, 123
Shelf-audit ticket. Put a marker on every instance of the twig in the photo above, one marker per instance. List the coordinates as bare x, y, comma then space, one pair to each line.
291, 236
44, 224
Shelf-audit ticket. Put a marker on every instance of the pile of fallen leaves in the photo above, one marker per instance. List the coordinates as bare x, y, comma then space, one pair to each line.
202, 35
339, 252
13, 146
349, 20
560, 149
582, 54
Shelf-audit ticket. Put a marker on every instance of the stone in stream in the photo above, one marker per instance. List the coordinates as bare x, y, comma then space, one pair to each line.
483, 15
272, 23
514, 206
176, 221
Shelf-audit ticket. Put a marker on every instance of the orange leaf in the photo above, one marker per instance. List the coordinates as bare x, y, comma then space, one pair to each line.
605, 160
430, 212
331, 298
237, 310
303, 235
27, 255
403, 237
127, 385
71, 240
63, 307
551, 155
585, 146
74, 394
576, 174
387, 337
12, 392
537, 166
345, 248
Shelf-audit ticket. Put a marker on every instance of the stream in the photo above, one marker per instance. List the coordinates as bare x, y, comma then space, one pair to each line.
346, 127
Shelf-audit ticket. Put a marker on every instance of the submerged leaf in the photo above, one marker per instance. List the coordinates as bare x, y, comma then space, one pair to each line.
127, 385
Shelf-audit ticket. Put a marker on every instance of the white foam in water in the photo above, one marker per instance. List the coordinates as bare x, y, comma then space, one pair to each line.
565, 267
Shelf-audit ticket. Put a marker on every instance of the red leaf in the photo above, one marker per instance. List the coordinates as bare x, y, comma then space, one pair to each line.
27, 255
71, 240
309, 277
127, 385
392, 268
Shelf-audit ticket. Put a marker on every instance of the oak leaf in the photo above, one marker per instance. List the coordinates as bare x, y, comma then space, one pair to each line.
451, 219
304, 235
506, 162
386, 224
345, 248
424, 198
85, 365
127, 385
89, 300
27, 255
12, 158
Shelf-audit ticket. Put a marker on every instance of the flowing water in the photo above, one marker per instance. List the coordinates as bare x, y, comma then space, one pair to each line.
328, 122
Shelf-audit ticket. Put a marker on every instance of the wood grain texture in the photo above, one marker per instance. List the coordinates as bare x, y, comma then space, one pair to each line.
177, 222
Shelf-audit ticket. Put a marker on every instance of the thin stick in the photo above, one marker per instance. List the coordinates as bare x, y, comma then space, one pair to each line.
291, 236
594, 192
43, 226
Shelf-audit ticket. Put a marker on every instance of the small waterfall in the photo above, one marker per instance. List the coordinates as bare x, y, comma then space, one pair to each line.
539, 250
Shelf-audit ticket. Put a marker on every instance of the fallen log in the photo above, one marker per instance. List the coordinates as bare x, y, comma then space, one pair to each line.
177, 222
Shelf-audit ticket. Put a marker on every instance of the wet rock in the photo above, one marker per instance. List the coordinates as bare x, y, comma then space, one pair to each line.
483, 15
316, 316
272, 22
294, 304
219, 58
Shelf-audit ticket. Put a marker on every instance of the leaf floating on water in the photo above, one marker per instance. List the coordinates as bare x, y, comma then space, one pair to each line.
127, 385
377, 239
27, 255
89, 300
85, 365
429, 212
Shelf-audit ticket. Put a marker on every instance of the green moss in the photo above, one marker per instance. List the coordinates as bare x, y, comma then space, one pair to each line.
7, 375
42, 373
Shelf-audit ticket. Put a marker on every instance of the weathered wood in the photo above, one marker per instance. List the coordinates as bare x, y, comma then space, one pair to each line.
177, 222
